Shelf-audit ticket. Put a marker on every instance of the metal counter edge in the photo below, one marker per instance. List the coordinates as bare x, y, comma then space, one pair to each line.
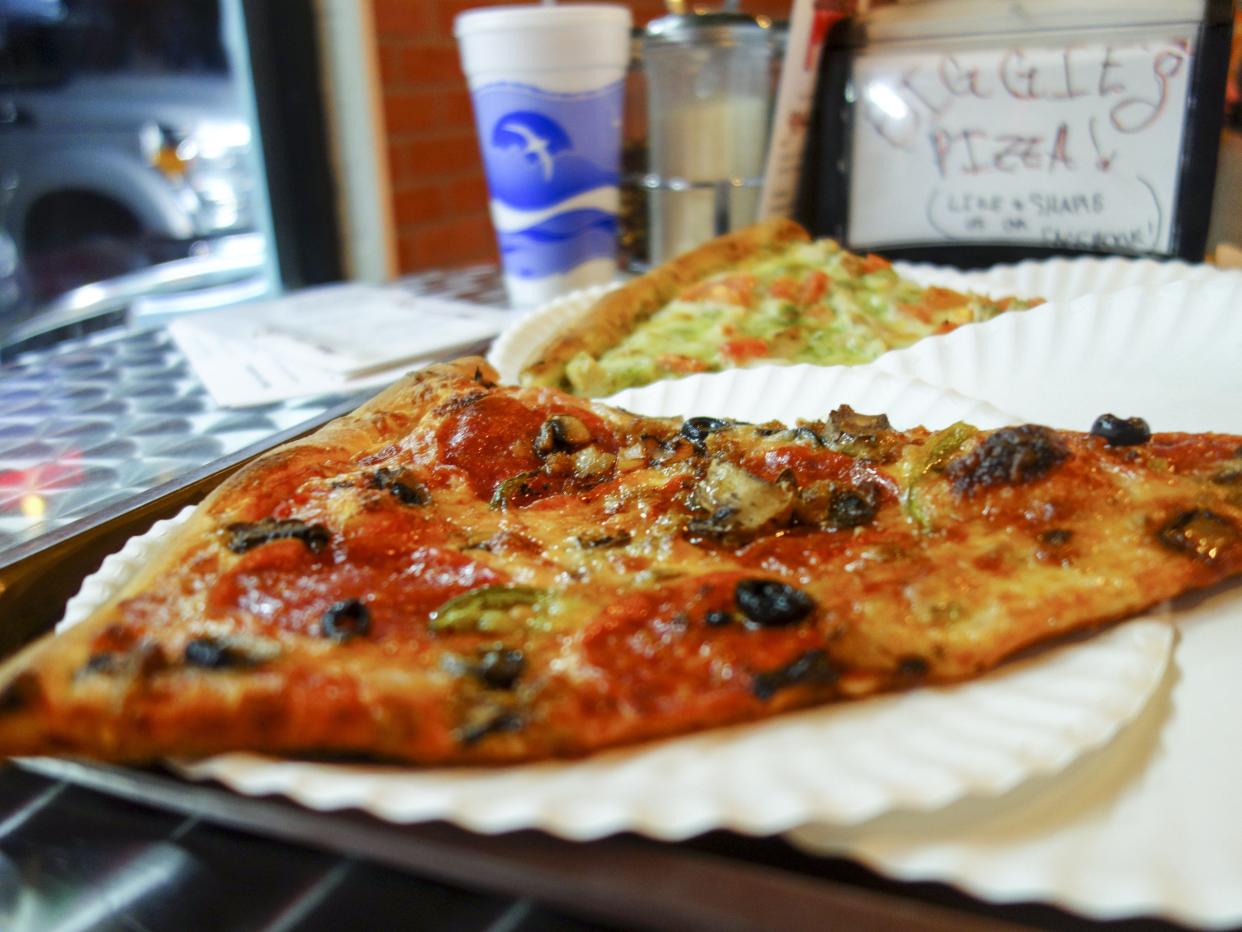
38, 577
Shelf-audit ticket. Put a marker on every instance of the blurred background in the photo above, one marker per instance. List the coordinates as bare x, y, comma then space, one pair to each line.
159, 157
127, 159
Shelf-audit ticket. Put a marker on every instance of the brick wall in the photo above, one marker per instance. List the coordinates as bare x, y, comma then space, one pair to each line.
440, 198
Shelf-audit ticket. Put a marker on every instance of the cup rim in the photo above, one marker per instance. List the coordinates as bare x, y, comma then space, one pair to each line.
508, 18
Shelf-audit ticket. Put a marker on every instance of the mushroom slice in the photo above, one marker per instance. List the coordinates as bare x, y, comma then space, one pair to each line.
731, 503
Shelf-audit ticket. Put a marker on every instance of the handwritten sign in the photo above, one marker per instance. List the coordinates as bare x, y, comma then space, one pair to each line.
1072, 145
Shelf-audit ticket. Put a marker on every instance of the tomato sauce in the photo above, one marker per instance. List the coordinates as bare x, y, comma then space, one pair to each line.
283, 586
257, 495
801, 549
807, 464
743, 349
492, 439
814, 286
660, 654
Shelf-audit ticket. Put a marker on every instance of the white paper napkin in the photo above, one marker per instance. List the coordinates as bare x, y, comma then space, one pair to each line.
329, 339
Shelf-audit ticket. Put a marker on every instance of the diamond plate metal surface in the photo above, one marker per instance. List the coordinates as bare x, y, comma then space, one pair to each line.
94, 420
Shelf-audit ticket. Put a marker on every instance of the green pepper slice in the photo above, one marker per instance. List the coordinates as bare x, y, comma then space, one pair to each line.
941, 447
483, 610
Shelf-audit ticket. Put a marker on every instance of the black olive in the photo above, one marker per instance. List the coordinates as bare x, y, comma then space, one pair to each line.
718, 619
850, 508
407, 493
215, 654
104, 661
1229, 475
1201, 533
243, 537
501, 669
1121, 432
1057, 537
811, 669
698, 429
345, 620
768, 603
913, 667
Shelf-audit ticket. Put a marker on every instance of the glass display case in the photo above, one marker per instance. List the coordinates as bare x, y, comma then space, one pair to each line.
157, 159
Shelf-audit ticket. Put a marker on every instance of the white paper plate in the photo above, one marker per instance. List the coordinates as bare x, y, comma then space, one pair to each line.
1054, 280
786, 393
1148, 825
1151, 823
1172, 355
841, 764
520, 341
1064, 279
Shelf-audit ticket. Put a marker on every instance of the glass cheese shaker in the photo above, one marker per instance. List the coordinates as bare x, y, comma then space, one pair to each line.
709, 86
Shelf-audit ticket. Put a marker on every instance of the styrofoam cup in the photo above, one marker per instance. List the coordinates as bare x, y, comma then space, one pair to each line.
547, 85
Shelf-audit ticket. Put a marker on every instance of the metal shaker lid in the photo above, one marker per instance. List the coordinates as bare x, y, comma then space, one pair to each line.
716, 28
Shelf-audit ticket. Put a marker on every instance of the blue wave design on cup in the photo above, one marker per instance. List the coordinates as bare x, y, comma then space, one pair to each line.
560, 243
542, 149
518, 182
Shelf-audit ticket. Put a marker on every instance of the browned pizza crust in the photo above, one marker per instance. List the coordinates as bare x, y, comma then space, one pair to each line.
617, 313
195, 714
461, 572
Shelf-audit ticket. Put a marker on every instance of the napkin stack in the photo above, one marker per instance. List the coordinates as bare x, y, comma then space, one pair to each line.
337, 338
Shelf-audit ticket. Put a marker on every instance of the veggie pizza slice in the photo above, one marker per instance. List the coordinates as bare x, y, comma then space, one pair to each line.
765, 293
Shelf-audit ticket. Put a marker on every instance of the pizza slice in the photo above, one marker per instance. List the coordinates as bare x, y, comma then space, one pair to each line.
762, 294
465, 572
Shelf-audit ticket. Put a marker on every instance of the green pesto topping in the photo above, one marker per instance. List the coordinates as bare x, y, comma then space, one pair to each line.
814, 303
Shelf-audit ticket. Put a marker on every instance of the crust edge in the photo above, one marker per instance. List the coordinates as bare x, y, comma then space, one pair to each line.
29, 729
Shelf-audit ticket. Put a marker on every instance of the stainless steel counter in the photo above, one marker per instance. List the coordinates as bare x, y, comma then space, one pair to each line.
97, 419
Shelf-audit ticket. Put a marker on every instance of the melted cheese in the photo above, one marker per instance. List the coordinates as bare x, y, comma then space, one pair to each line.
814, 303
